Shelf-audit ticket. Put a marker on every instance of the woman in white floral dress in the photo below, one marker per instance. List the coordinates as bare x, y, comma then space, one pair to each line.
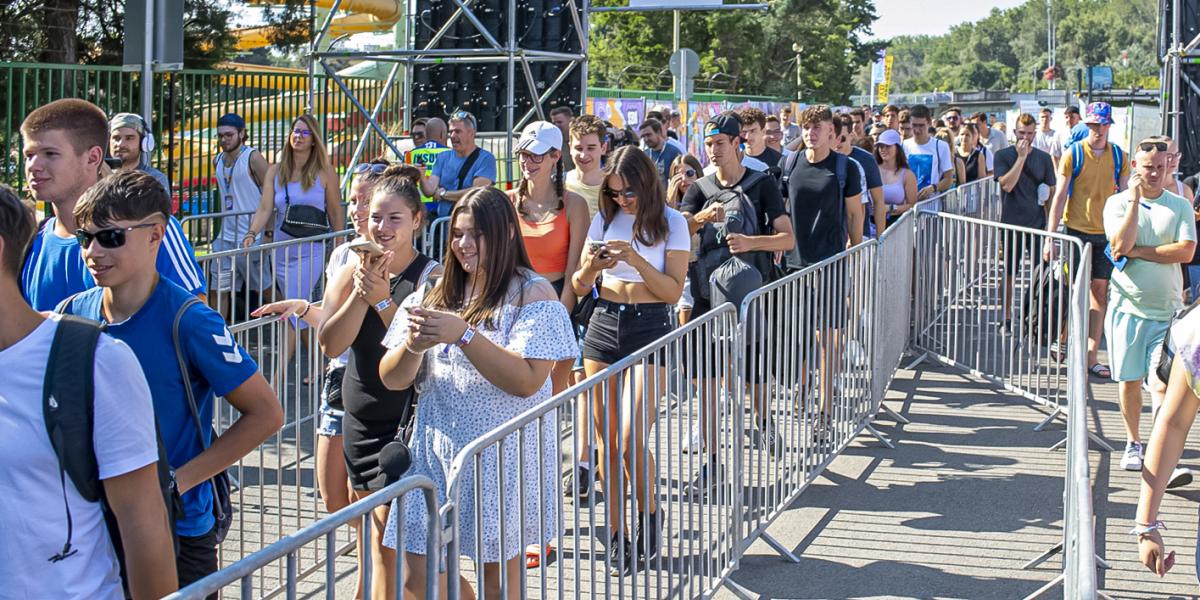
480, 346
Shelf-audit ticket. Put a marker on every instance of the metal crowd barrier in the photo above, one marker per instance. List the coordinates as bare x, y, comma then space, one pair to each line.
204, 230
433, 240
279, 566
699, 536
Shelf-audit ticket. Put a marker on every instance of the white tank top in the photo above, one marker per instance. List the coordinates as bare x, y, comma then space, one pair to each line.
238, 192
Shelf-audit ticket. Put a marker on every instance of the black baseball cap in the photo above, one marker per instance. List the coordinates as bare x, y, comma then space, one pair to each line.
725, 123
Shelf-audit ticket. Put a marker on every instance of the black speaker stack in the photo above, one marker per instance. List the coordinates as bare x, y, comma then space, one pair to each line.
481, 88
1188, 119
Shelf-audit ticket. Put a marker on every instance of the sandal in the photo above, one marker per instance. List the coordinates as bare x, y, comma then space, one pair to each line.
533, 555
1100, 370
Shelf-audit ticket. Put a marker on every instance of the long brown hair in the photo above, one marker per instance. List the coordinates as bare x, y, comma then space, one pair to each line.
639, 173
318, 157
674, 189
505, 257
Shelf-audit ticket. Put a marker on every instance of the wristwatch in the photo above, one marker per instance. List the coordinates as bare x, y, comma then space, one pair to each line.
382, 305
440, 193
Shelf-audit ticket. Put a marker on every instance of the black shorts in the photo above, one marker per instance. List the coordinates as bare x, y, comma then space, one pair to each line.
197, 558
1020, 249
1102, 268
618, 330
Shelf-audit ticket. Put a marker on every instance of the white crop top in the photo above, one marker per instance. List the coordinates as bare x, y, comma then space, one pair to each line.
621, 228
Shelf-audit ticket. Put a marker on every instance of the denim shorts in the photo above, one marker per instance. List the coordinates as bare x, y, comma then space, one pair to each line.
329, 420
618, 330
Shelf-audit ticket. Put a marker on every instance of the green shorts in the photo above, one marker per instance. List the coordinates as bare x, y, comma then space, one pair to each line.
1134, 344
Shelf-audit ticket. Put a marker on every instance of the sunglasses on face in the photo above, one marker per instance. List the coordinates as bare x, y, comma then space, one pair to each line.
531, 157
1150, 146
626, 194
301, 132
108, 238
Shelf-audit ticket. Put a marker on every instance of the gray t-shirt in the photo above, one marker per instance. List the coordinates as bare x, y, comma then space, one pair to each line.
158, 176
1020, 206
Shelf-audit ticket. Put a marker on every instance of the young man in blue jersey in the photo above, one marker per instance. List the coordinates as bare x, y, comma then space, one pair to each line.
64, 154
39, 506
122, 222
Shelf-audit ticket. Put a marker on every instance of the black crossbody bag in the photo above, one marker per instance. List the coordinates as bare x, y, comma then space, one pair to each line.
302, 220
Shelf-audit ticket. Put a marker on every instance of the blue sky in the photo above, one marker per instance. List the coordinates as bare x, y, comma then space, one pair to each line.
931, 17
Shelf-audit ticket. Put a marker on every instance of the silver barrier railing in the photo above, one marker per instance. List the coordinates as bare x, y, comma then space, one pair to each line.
642, 409
204, 230
1079, 534
893, 306
279, 565
433, 240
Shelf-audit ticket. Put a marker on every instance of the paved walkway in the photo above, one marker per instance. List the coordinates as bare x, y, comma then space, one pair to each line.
968, 496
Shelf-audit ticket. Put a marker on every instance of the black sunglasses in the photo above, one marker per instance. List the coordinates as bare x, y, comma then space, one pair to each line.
627, 194
1149, 146
108, 238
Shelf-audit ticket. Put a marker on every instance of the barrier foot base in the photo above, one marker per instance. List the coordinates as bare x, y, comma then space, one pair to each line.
879, 436
1043, 557
1054, 415
920, 359
738, 590
1103, 564
1099, 441
1045, 588
1057, 446
780, 548
895, 416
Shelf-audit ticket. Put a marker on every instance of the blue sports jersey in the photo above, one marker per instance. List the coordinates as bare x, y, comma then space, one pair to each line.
217, 365
450, 163
54, 268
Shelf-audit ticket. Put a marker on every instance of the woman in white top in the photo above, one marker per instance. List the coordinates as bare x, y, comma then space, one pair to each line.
636, 260
899, 182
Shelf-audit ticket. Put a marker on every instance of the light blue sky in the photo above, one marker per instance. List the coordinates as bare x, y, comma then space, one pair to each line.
931, 17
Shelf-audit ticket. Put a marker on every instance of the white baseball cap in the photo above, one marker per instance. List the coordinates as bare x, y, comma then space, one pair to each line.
540, 137
889, 137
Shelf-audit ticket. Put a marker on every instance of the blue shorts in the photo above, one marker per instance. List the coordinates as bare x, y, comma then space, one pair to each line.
1134, 344
329, 421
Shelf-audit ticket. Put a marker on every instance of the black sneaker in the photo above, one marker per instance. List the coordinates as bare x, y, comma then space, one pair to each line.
647, 543
707, 480
620, 555
578, 482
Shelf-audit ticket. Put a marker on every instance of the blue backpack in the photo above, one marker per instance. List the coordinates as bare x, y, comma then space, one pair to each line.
1077, 157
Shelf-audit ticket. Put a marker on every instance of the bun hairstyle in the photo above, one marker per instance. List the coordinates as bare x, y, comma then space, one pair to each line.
402, 181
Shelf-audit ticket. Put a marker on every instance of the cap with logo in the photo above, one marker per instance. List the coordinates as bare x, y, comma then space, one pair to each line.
723, 123
1098, 113
540, 137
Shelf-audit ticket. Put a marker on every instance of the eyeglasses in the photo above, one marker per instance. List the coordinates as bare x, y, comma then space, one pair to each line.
952, 118
531, 157
302, 132
1150, 146
374, 168
108, 238
626, 194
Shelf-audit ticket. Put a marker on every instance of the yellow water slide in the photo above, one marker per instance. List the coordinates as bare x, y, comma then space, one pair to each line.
367, 16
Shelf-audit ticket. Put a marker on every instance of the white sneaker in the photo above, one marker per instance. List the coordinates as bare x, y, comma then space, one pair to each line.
1132, 460
695, 442
1180, 477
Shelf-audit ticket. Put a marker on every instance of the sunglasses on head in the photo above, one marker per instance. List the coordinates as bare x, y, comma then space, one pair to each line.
463, 115
108, 238
626, 194
302, 132
1151, 146
373, 168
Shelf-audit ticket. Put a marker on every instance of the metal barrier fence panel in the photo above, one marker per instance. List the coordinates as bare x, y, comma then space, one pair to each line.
808, 345
214, 232
989, 303
630, 420
1079, 529
280, 566
433, 240
894, 303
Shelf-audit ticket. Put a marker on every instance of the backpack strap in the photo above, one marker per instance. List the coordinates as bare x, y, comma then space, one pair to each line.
68, 408
1076, 165
186, 380
466, 168
750, 180
1118, 156
708, 185
840, 165
789, 165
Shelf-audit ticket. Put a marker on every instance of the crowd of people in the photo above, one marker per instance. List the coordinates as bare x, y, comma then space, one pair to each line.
603, 246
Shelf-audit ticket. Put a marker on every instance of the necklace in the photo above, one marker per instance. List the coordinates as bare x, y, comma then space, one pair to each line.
227, 175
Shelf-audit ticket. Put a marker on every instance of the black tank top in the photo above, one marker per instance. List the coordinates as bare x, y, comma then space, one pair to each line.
972, 164
363, 393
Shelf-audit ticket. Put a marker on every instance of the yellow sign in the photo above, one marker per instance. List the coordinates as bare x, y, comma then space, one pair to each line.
882, 89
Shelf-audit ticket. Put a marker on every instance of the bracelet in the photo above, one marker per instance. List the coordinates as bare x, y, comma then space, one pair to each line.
467, 336
1140, 529
250, 234
307, 305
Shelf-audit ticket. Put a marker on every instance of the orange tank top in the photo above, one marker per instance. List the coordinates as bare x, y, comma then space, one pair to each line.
547, 243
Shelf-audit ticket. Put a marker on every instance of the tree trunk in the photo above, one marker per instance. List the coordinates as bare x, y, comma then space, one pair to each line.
60, 18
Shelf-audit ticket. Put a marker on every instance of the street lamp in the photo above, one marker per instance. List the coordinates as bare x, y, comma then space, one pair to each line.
798, 49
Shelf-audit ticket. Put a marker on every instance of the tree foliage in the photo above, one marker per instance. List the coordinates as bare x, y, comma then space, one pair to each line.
92, 31
753, 47
1004, 50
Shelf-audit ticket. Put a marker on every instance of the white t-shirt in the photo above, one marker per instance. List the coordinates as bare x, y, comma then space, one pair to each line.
621, 228
1044, 141
33, 518
928, 161
338, 259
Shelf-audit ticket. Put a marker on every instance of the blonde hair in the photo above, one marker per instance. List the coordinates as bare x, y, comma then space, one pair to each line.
318, 159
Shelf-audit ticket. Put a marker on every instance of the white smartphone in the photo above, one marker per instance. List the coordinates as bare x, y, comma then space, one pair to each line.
367, 247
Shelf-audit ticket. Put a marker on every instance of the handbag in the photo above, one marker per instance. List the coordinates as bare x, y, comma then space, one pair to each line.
303, 220
221, 490
1167, 355
581, 315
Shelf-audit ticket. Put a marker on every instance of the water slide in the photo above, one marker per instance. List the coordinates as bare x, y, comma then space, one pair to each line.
367, 16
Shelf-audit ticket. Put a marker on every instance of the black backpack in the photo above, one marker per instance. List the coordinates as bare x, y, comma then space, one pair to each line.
68, 396
1046, 305
741, 217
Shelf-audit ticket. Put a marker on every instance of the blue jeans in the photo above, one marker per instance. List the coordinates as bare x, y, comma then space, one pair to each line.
1193, 282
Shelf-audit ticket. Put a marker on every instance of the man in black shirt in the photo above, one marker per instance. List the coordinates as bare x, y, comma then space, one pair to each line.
722, 138
1019, 171
754, 125
823, 190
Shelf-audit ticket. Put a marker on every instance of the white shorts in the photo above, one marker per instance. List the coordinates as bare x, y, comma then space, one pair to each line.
243, 272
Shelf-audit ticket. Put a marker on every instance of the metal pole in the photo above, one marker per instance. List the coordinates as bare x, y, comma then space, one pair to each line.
679, 81
148, 65
585, 33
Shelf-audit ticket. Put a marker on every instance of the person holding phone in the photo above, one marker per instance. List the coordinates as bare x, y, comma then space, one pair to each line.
360, 301
641, 247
